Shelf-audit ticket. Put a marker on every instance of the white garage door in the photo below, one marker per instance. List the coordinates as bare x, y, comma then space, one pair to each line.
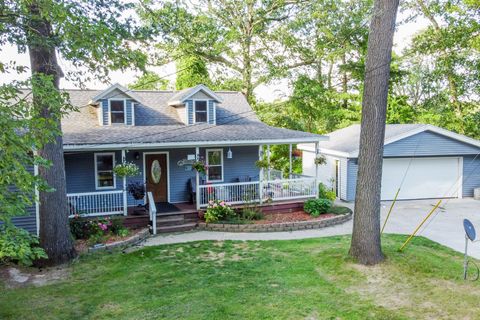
426, 178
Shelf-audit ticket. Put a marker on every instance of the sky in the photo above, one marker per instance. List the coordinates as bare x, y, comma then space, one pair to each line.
273, 91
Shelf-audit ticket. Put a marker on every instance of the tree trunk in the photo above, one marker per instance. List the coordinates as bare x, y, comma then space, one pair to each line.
55, 235
366, 245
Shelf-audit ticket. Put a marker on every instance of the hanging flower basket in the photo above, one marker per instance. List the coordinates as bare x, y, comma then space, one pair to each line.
262, 164
320, 160
126, 169
296, 153
200, 166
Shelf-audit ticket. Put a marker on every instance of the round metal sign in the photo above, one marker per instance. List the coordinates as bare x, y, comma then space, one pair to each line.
156, 171
469, 229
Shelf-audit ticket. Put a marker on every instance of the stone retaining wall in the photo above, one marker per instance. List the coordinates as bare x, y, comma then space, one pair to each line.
276, 227
142, 235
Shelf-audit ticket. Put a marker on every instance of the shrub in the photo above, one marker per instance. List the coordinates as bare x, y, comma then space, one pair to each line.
17, 245
325, 193
96, 229
339, 210
218, 210
251, 213
316, 207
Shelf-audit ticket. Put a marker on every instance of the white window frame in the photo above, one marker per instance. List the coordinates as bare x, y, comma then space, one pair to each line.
195, 110
110, 111
216, 165
96, 154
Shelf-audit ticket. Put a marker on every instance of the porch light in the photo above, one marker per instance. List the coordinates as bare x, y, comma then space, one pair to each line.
136, 155
229, 154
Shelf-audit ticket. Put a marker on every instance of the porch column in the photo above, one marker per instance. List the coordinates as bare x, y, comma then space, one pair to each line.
268, 161
290, 161
125, 205
317, 152
260, 175
197, 179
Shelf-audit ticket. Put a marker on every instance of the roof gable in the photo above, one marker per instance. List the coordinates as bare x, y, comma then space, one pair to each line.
108, 93
345, 142
181, 96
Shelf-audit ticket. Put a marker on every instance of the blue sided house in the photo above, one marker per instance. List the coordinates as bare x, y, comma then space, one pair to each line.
165, 134
423, 161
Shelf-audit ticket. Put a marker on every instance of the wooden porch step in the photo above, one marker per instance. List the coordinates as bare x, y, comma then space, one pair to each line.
177, 228
185, 214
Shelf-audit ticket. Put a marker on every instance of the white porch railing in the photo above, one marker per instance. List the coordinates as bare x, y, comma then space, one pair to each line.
244, 192
152, 211
96, 203
289, 189
233, 193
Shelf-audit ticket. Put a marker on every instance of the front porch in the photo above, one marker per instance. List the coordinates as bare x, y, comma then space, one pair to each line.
173, 187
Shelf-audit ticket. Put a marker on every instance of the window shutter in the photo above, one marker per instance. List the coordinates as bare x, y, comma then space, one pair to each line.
105, 112
190, 111
129, 114
211, 112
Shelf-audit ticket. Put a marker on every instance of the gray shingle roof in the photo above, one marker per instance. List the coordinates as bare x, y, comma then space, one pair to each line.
157, 122
348, 139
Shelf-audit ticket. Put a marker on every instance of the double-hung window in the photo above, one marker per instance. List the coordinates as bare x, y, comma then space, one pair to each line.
200, 111
214, 165
104, 177
117, 111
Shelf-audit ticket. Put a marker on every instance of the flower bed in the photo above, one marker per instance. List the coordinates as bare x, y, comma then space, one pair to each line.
277, 222
265, 226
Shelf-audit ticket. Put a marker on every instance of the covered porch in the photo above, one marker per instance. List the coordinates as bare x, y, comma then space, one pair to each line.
231, 176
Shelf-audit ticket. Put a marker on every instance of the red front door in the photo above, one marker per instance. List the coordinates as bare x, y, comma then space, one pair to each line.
156, 176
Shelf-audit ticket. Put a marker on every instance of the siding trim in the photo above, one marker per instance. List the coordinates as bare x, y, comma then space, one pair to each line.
96, 173
132, 146
195, 109
167, 153
222, 164
124, 111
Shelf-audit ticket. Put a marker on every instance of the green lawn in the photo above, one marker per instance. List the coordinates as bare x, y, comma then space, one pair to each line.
302, 279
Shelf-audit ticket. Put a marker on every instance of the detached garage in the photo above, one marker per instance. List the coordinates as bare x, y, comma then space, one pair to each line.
427, 161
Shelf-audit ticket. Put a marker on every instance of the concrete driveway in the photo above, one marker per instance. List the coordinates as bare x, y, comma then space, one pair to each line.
445, 227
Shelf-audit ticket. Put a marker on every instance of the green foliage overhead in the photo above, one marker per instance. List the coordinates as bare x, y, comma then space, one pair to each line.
191, 71
149, 81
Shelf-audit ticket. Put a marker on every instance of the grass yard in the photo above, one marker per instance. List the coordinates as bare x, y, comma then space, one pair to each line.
301, 279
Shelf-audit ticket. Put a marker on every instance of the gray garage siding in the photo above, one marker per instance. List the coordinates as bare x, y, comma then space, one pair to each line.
471, 175
427, 144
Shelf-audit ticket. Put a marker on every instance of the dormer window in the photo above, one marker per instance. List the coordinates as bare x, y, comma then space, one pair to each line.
117, 111
200, 111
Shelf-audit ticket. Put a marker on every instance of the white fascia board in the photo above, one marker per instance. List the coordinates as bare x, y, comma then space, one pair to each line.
132, 146
193, 91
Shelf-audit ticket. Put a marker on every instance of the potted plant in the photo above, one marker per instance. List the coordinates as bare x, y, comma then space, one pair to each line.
126, 169
262, 164
137, 190
199, 166
320, 160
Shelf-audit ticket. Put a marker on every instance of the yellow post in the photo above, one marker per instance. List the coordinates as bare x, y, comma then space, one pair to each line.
390, 211
421, 224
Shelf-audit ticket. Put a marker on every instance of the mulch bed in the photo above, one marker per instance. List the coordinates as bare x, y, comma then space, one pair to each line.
291, 217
